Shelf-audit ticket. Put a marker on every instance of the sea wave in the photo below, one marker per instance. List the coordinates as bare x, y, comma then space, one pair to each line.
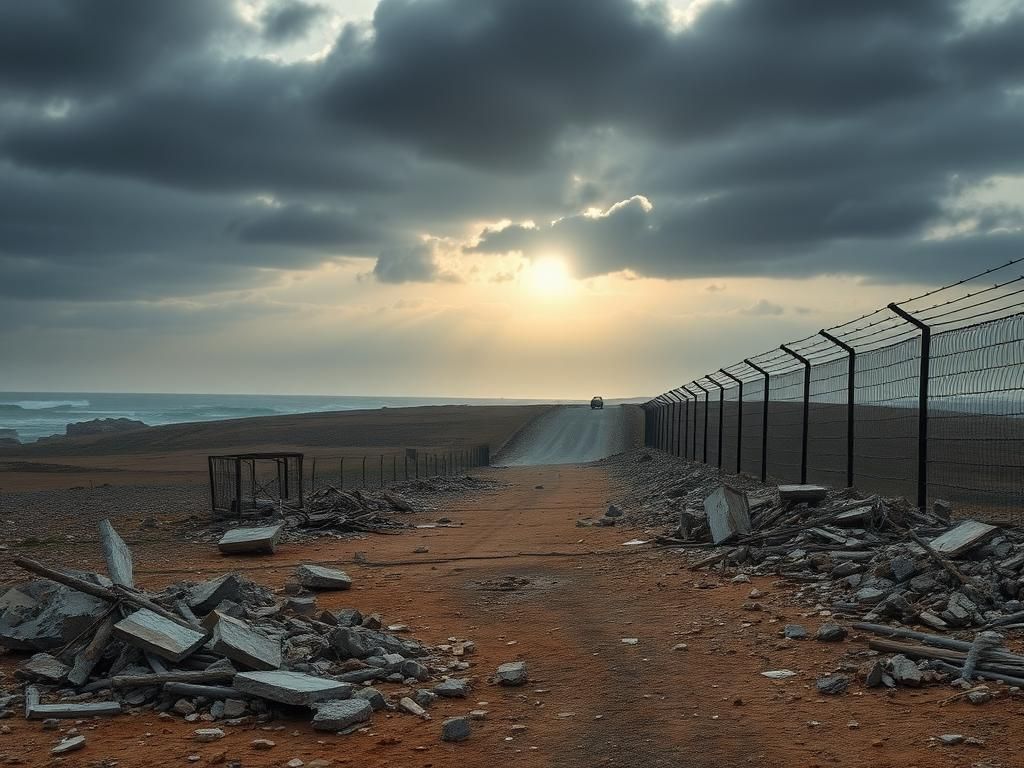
47, 405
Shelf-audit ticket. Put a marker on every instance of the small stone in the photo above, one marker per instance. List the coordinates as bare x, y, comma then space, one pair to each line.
904, 671
339, 715
833, 685
830, 633
512, 673
294, 763
455, 729
263, 744
755, 594
613, 511
794, 632
408, 705
206, 735
424, 698
951, 739
478, 714
184, 707
630, 641
234, 708
69, 745
979, 697
372, 695
453, 688
680, 647
51, 724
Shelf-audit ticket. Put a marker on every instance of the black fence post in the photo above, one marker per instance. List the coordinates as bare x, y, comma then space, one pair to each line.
686, 427
739, 421
721, 415
807, 408
677, 422
922, 407
693, 434
364, 471
764, 419
706, 394
341, 473
851, 400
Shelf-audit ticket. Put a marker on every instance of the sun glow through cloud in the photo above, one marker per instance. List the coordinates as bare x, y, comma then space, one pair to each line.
549, 277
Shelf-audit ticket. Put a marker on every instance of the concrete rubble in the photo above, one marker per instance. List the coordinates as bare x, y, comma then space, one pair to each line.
921, 588
227, 651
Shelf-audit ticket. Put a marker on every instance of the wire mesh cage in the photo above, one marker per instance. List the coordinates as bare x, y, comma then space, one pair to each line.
255, 484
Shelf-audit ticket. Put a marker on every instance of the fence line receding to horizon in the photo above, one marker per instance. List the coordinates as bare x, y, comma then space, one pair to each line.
923, 398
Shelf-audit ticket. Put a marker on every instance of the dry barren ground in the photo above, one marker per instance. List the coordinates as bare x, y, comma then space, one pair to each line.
592, 700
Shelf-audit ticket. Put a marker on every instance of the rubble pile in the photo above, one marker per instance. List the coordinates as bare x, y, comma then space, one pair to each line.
358, 511
226, 651
880, 564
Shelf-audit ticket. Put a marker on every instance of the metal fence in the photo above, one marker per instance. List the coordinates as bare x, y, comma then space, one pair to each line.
923, 398
357, 470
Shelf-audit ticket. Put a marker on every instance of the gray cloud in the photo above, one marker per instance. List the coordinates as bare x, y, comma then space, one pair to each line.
773, 137
290, 20
413, 264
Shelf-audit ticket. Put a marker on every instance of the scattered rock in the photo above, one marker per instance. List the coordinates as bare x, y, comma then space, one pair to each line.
512, 673
455, 729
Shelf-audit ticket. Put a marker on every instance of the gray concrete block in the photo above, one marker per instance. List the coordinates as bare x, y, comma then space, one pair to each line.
239, 642
152, 632
291, 687
251, 540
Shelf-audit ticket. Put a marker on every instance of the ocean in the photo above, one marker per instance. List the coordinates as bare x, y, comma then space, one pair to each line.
40, 414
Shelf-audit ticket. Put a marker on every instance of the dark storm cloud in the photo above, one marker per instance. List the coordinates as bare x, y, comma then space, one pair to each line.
290, 20
67, 47
311, 227
772, 137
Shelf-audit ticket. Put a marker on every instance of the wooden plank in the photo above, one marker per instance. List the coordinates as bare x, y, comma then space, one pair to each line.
728, 513
156, 634
968, 534
117, 555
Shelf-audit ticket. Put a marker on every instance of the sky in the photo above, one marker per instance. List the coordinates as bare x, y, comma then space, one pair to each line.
518, 198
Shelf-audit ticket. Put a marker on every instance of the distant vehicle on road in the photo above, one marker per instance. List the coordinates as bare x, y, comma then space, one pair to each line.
596, 402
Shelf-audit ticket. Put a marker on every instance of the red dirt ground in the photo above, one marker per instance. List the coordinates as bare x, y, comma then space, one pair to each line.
592, 700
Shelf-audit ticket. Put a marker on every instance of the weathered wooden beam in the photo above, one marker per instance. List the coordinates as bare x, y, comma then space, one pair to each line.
89, 656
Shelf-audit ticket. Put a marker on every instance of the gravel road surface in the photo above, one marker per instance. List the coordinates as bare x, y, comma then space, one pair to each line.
571, 434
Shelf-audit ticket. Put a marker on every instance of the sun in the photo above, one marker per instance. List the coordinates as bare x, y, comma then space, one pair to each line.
549, 276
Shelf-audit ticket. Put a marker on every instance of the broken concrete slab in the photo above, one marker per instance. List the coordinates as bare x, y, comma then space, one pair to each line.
72, 711
261, 540
292, 688
117, 555
968, 534
806, 493
319, 577
68, 745
339, 715
238, 641
44, 668
727, 513
208, 595
63, 614
152, 632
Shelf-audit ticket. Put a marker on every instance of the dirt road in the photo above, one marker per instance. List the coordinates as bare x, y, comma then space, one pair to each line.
570, 434
521, 580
